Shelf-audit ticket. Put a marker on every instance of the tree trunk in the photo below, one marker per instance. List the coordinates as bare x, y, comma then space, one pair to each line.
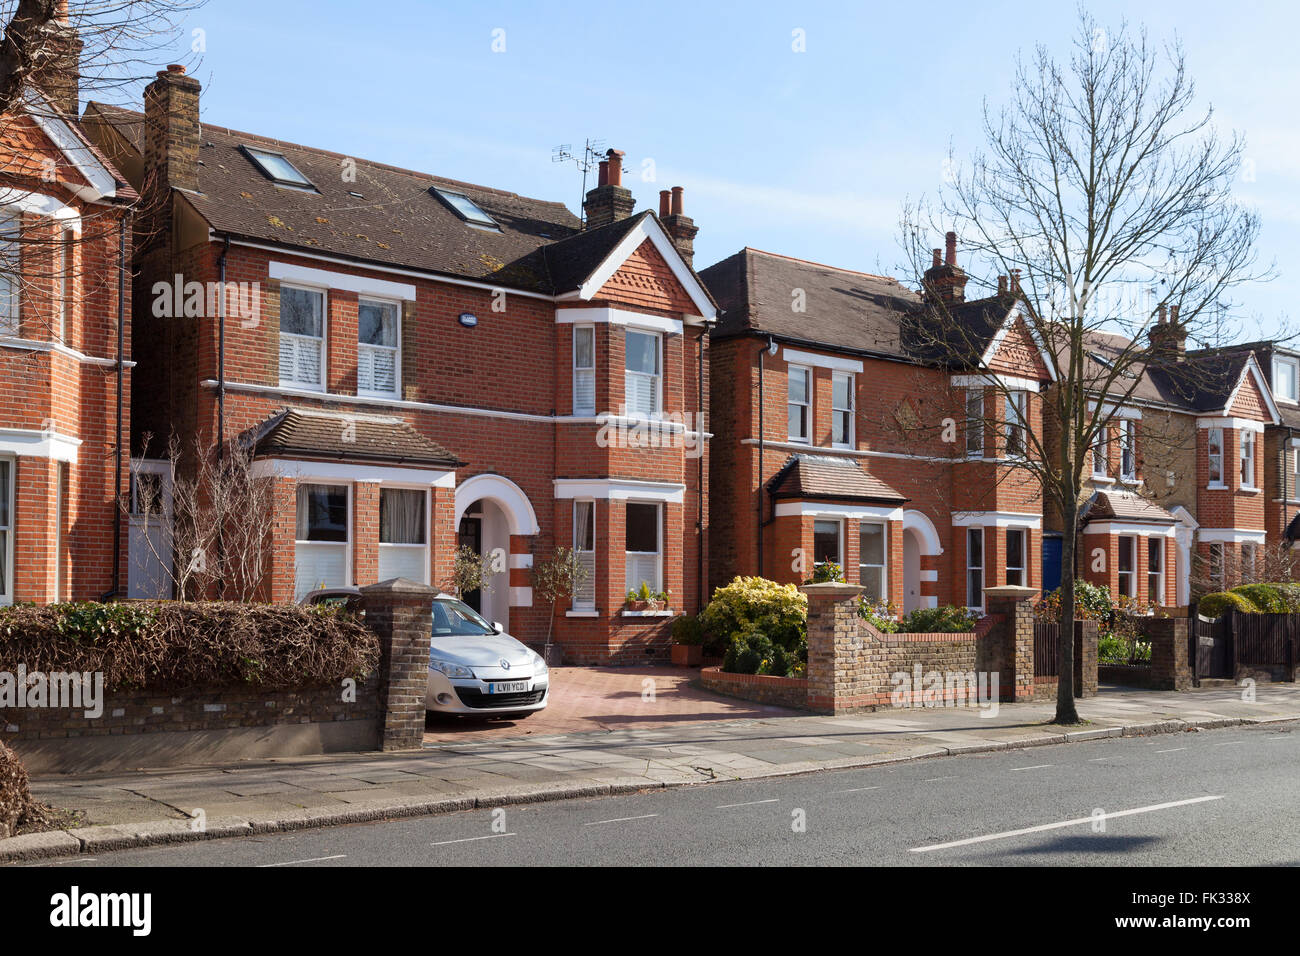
1065, 709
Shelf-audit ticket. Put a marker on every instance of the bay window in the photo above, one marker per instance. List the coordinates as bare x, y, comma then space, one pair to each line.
403, 534
10, 273
302, 337
643, 543
1016, 556
1216, 565
1214, 447
64, 285
1016, 423
321, 537
842, 409
1247, 458
975, 567
1249, 552
1127, 566
584, 546
975, 423
584, 370
1128, 450
1156, 570
826, 543
641, 374
799, 403
1101, 455
872, 573
378, 348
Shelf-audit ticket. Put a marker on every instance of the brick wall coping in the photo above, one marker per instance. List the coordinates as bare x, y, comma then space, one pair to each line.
982, 627
1012, 591
717, 673
832, 589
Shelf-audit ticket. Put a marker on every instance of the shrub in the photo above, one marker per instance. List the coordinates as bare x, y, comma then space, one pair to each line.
1092, 602
738, 608
165, 646
828, 572
944, 620
747, 653
1266, 597
687, 630
1220, 602
16, 804
1290, 595
882, 615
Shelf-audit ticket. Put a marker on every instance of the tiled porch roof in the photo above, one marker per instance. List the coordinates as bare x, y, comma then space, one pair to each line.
1125, 506
300, 433
823, 476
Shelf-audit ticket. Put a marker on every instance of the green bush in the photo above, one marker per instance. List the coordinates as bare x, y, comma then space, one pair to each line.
1221, 602
1290, 595
882, 615
756, 653
938, 620
828, 572
1092, 602
687, 630
747, 604
1266, 597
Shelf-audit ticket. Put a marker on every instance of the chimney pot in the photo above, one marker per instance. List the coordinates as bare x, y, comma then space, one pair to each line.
1173, 315
677, 200
615, 162
1002, 285
937, 259
603, 178
175, 68
951, 241
1163, 318
1015, 281
665, 203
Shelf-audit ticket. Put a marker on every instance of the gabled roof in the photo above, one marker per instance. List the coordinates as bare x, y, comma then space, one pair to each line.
300, 433
821, 476
395, 220
1125, 506
65, 133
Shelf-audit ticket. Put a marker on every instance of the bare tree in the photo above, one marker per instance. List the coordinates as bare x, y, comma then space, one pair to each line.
1107, 196
218, 520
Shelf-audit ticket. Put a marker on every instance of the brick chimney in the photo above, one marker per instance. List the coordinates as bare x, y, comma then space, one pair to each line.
681, 227
52, 50
1169, 336
172, 131
610, 201
945, 282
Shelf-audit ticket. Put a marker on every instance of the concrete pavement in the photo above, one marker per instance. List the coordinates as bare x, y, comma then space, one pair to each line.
174, 805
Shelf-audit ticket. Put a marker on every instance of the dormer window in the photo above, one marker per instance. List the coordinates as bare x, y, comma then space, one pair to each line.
1286, 378
465, 207
275, 167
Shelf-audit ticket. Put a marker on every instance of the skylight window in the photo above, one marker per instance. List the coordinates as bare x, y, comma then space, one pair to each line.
276, 168
465, 207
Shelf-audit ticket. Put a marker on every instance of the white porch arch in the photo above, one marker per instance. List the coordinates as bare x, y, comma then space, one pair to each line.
919, 538
519, 512
919, 523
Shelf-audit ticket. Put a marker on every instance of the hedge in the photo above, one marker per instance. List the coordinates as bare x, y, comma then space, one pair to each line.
1221, 602
171, 646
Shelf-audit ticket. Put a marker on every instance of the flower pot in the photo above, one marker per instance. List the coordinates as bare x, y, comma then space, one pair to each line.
644, 606
687, 655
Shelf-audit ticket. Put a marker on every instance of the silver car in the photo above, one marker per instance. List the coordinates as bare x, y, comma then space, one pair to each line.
475, 668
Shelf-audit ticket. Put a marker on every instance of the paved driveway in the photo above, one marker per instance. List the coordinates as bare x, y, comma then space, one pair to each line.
585, 699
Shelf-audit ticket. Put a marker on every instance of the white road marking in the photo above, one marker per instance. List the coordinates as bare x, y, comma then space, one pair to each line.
80, 859
855, 790
490, 836
644, 816
1079, 821
1037, 766
1230, 743
314, 859
1095, 759
1174, 751
752, 803
933, 779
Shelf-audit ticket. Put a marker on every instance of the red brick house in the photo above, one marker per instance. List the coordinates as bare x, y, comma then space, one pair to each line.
423, 363
65, 365
841, 431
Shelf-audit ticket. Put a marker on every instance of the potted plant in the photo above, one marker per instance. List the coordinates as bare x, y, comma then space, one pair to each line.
645, 599
555, 580
688, 641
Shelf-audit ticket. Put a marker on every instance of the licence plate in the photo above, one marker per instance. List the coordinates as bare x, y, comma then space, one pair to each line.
508, 687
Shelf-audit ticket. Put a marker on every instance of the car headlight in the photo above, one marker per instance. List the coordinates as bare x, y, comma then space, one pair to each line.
539, 665
450, 669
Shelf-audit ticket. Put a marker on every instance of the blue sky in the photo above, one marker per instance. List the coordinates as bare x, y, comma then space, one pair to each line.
809, 154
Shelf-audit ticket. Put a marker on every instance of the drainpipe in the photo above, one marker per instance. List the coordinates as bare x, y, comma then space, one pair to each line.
221, 352
770, 347
116, 589
699, 465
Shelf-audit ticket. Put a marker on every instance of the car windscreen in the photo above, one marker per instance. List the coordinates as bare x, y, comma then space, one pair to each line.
458, 619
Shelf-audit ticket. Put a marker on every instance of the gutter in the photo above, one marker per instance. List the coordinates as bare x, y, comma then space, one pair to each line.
770, 347
221, 352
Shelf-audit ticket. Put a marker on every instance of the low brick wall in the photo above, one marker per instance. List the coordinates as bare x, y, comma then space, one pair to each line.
763, 688
1130, 675
151, 730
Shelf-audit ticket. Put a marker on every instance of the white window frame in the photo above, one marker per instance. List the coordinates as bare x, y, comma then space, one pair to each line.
64, 286
1132, 572
837, 410
576, 602
427, 547
323, 291
396, 350
1248, 565
839, 541
884, 555
584, 410
348, 545
1218, 565
971, 568
1156, 595
1246, 455
7, 579
805, 405
11, 321
1215, 460
975, 425
659, 544
1017, 399
1023, 567
1294, 365
1101, 454
658, 376
1128, 450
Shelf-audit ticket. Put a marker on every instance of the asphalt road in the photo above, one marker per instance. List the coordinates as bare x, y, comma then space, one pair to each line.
1223, 797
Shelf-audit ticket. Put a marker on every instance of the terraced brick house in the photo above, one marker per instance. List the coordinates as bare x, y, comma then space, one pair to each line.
842, 433
423, 363
65, 326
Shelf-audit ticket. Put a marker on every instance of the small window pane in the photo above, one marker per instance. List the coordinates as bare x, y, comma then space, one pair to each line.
642, 353
642, 531
467, 208
401, 516
377, 323
322, 513
277, 167
826, 542
301, 311
584, 347
798, 385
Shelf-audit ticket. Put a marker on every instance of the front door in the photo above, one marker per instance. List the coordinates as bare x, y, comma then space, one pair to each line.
471, 536
911, 572
149, 538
